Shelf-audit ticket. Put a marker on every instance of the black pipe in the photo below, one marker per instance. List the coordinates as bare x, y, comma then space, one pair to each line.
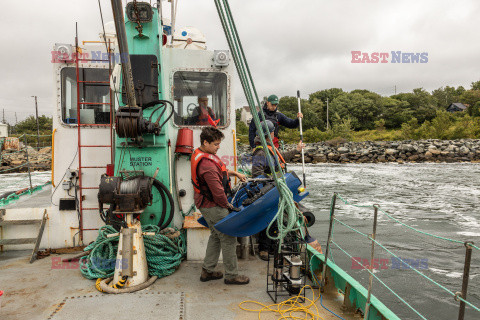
161, 187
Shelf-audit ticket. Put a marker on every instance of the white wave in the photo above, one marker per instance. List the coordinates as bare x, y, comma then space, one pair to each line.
468, 221
446, 273
469, 234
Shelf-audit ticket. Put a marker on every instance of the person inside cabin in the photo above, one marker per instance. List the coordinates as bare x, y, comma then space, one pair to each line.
203, 115
210, 179
260, 167
270, 109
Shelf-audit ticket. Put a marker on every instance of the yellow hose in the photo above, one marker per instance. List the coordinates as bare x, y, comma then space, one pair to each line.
53, 156
289, 309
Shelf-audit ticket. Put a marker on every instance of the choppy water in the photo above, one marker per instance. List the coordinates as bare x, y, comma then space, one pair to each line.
438, 198
17, 181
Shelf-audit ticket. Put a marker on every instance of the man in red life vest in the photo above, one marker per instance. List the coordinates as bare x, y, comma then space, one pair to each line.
210, 179
203, 115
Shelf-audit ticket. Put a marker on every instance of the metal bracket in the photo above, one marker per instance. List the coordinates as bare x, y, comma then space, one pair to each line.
457, 295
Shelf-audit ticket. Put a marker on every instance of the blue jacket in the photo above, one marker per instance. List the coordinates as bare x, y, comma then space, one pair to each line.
277, 118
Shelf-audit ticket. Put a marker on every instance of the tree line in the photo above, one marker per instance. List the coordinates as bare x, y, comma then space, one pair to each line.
29, 126
410, 115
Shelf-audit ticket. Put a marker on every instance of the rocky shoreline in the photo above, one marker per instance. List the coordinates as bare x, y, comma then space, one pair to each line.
334, 151
341, 151
13, 161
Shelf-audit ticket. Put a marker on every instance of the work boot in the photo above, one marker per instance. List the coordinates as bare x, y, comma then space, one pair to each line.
263, 255
240, 279
207, 276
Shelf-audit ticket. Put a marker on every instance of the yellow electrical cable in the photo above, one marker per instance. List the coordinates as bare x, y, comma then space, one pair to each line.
293, 307
97, 284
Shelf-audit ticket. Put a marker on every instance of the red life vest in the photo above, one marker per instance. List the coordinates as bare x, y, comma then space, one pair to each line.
200, 186
276, 142
207, 117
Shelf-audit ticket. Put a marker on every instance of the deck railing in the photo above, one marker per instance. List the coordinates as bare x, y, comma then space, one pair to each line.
460, 296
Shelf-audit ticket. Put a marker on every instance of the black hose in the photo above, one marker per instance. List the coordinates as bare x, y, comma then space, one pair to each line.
157, 186
161, 187
161, 106
171, 113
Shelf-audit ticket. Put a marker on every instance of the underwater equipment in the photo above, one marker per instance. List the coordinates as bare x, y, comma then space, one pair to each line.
258, 204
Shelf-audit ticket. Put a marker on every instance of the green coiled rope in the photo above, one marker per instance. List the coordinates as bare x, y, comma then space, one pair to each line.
164, 255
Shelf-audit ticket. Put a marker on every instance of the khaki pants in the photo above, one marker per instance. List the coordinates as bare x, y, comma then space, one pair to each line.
219, 241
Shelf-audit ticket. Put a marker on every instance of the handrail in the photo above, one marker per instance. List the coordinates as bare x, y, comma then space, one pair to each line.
403, 224
53, 157
457, 296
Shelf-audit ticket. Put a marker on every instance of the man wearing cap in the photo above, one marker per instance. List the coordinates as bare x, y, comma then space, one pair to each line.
260, 167
203, 115
277, 118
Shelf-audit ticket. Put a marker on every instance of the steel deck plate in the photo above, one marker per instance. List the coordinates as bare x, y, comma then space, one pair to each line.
144, 305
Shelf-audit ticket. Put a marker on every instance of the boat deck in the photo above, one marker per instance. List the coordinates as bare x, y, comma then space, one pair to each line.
38, 199
38, 291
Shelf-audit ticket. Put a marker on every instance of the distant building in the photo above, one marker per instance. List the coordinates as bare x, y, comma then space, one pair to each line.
3, 130
246, 116
457, 106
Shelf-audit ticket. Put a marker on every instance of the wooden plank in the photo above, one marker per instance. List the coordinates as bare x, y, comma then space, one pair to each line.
17, 241
190, 222
39, 237
20, 222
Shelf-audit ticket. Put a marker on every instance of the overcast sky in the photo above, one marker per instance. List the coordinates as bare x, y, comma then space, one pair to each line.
290, 45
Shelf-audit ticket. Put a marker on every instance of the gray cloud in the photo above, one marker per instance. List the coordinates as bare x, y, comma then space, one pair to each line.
290, 45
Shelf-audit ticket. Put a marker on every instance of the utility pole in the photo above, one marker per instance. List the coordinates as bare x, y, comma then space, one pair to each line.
3, 121
327, 115
38, 127
395, 89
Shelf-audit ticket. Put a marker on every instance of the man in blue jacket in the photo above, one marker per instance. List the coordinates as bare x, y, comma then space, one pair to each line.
279, 119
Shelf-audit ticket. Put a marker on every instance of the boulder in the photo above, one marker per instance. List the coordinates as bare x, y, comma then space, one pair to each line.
463, 150
45, 150
414, 157
343, 150
319, 158
406, 147
16, 162
391, 151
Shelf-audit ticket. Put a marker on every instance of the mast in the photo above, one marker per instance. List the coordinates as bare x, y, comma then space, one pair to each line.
124, 53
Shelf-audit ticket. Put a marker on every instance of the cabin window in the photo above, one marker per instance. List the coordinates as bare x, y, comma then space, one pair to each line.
94, 97
200, 98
